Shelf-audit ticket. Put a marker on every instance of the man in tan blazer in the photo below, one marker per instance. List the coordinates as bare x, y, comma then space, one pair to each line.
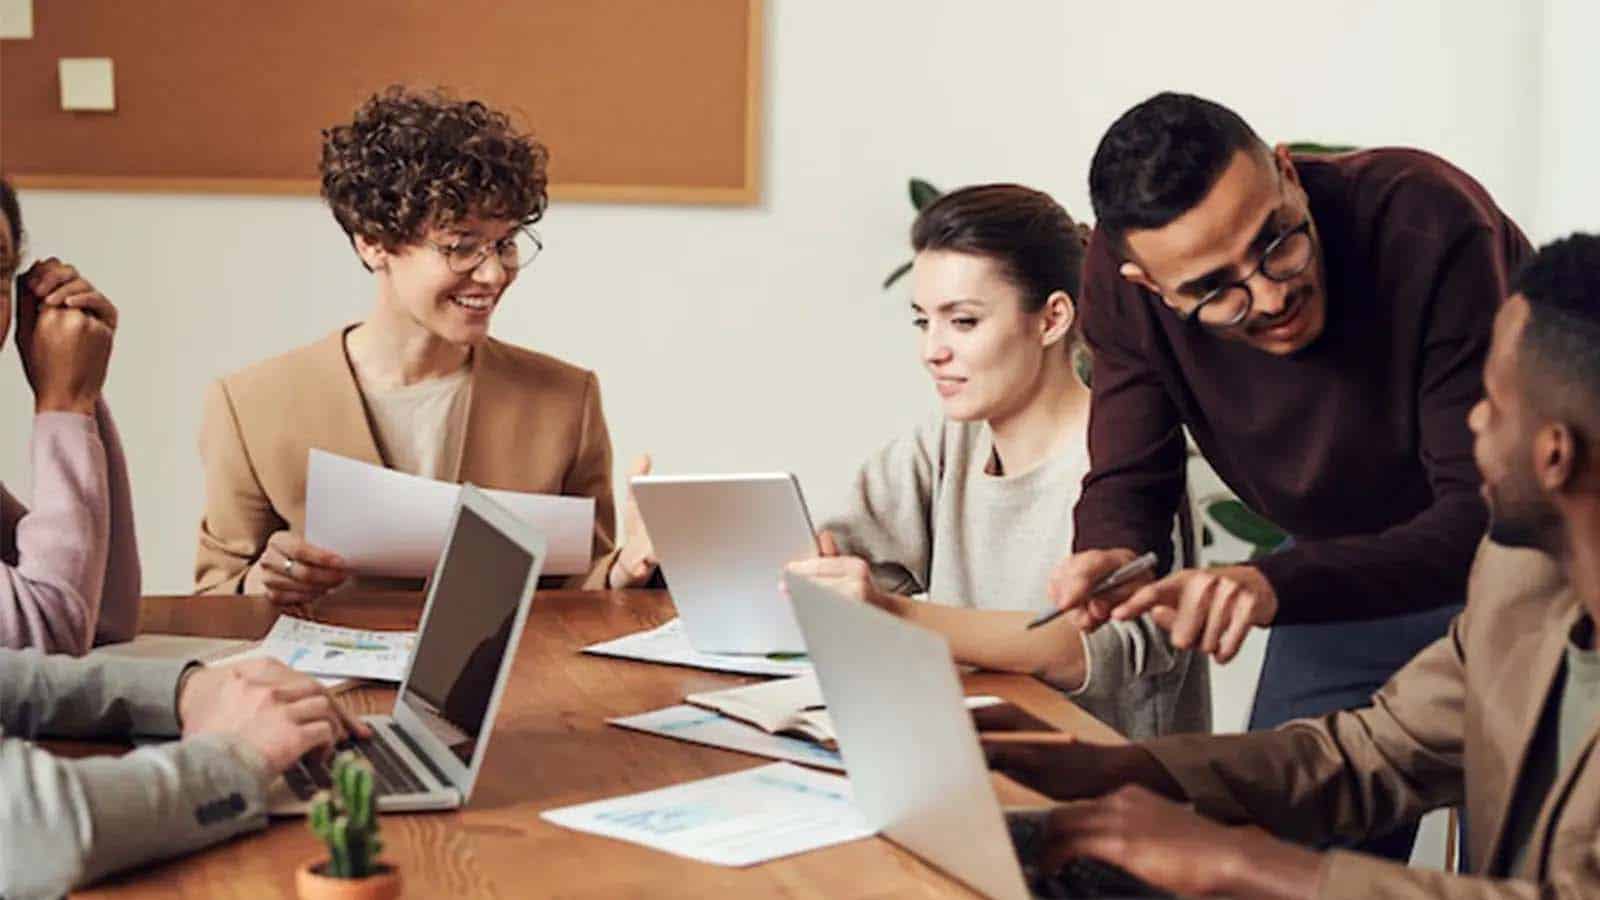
1499, 715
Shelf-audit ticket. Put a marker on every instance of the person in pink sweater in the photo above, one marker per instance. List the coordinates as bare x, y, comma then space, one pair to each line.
69, 565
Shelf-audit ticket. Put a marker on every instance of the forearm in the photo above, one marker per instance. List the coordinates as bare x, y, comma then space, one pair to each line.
239, 517
119, 604
51, 598
589, 475
1347, 875
61, 696
1000, 640
1421, 564
1128, 511
65, 823
1260, 867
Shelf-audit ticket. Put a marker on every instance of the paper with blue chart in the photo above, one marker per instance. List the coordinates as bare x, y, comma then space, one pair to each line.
333, 650
741, 819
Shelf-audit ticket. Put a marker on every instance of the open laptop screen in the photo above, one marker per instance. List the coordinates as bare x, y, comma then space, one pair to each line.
460, 647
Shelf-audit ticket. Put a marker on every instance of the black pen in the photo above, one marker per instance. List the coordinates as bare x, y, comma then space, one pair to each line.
1124, 574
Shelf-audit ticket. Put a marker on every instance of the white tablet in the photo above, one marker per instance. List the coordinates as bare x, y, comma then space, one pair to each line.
723, 542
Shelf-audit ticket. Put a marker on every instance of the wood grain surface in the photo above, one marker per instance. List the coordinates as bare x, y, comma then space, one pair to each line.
551, 747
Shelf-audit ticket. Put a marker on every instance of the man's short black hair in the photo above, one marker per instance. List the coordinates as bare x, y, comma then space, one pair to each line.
1560, 349
1160, 158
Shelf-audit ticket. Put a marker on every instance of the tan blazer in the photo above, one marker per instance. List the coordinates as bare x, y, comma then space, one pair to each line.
1454, 725
534, 424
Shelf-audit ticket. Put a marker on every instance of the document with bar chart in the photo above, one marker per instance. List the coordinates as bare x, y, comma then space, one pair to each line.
333, 650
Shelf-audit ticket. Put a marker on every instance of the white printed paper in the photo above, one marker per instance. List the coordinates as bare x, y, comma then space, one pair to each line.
702, 726
391, 524
332, 684
333, 650
741, 819
669, 645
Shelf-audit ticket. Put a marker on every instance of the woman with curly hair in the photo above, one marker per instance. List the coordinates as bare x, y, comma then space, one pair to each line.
438, 198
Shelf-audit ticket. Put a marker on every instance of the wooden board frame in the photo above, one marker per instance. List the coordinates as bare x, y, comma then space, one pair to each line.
746, 194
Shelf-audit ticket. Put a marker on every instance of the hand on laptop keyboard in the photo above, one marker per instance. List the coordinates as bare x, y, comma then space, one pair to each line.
390, 774
1079, 877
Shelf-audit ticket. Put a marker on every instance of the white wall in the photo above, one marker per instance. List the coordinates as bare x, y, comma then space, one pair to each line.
740, 339
1569, 180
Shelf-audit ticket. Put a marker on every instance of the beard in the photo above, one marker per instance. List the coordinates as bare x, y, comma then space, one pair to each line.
1518, 520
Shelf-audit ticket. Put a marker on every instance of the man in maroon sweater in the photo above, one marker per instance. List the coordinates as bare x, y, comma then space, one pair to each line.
1319, 325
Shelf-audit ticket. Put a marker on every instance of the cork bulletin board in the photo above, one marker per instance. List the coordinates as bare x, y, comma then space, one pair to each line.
639, 100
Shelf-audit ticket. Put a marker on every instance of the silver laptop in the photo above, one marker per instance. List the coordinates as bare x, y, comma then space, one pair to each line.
723, 541
917, 771
426, 753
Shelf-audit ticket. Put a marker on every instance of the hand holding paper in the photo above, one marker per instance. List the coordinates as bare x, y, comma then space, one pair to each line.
387, 523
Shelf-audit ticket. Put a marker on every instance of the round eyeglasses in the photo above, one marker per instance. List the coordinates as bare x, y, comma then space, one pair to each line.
515, 251
1289, 254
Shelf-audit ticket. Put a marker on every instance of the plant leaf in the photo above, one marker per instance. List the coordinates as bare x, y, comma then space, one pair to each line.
1314, 147
923, 193
1237, 519
898, 273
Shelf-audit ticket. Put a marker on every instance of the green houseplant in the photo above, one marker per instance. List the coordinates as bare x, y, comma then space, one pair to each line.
345, 818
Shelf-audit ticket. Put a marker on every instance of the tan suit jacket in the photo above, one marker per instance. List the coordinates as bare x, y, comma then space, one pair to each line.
534, 424
1454, 725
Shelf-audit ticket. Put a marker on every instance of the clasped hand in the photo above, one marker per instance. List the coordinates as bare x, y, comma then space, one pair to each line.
65, 328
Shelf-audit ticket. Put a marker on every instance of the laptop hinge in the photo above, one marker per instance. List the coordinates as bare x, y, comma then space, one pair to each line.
416, 750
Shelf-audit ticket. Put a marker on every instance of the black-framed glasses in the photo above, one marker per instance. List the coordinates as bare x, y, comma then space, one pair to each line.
515, 251
1228, 306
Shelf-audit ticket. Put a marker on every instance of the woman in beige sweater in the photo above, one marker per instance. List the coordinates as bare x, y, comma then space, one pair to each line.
439, 198
971, 510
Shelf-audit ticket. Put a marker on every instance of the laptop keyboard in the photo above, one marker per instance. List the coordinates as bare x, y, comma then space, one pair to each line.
390, 774
1090, 878
1079, 878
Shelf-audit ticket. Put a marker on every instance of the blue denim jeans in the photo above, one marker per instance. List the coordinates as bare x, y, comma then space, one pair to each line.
1313, 670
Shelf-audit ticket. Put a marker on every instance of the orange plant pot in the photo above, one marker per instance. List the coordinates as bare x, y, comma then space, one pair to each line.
311, 884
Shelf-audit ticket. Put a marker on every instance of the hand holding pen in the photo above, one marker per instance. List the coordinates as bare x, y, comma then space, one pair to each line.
1083, 581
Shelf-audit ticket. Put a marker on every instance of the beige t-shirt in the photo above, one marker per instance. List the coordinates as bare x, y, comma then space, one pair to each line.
931, 518
420, 427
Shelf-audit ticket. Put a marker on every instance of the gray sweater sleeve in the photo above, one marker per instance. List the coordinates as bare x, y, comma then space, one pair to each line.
888, 518
67, 822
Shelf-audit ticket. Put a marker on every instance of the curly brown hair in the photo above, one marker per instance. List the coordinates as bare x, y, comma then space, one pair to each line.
414, 160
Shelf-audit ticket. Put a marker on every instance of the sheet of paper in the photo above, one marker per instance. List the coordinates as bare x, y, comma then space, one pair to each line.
255, 651
667, 644
388, 523
333, 650
741, 819
702, 726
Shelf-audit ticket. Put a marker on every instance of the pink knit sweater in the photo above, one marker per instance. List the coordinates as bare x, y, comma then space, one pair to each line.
69, 567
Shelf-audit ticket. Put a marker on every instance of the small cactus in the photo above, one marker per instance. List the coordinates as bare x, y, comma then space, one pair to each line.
346, 819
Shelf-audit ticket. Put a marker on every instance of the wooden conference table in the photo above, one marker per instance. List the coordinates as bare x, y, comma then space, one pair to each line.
552, 747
